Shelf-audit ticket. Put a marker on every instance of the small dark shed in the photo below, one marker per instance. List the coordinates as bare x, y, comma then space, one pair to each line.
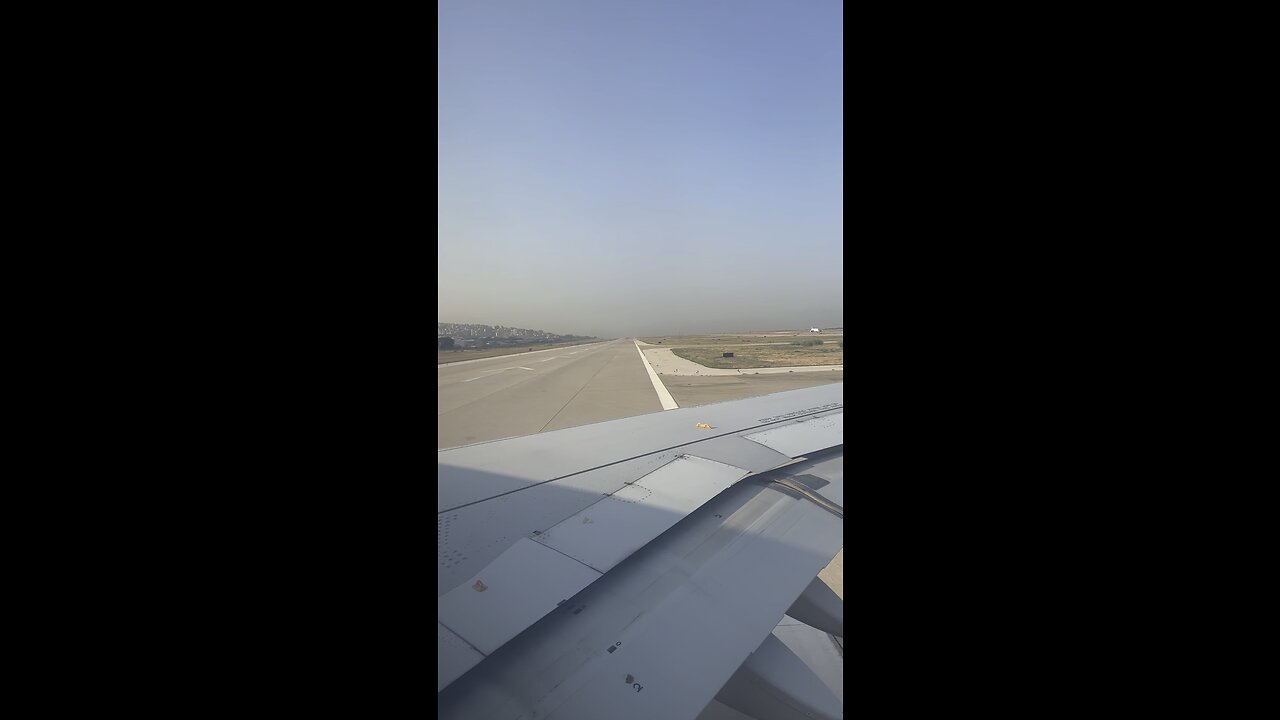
728, 354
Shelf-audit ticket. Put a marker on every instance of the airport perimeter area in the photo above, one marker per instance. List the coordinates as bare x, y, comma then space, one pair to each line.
694, 371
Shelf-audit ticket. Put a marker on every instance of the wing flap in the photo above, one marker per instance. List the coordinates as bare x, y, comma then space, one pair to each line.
663, 631
685, 649
510, 594
607, 532
524, 583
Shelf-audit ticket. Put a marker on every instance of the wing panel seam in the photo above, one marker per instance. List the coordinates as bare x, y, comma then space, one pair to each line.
460, 637
592, 569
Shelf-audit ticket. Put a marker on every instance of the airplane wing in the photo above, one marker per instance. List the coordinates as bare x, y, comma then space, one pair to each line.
636, 568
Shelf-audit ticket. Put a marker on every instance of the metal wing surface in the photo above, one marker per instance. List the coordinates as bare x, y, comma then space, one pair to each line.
636, 568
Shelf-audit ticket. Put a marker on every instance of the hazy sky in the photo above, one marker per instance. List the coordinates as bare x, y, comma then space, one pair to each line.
632, 167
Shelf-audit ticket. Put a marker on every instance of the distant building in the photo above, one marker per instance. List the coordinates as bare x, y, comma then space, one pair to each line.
814, 330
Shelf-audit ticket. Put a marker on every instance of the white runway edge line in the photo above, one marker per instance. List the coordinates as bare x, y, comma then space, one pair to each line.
664, 397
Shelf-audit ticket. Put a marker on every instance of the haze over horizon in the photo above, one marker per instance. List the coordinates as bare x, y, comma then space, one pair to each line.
561, 331
615, 168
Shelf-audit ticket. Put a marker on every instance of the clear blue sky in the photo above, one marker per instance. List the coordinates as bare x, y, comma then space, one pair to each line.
630, 167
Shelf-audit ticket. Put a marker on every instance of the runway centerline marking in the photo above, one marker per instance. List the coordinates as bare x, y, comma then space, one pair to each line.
487, 374
495, 372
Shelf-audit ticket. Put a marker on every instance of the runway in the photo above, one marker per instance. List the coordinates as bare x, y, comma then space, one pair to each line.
528, 393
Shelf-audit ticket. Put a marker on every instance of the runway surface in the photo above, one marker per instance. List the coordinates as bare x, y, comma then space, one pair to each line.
528, 393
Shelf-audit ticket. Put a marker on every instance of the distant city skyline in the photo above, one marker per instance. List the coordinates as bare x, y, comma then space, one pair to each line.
616, 168
490, 330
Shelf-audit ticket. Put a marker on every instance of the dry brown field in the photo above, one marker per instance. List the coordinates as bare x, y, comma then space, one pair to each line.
757, 349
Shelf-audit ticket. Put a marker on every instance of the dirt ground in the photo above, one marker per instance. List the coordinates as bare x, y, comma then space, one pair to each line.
756, 350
